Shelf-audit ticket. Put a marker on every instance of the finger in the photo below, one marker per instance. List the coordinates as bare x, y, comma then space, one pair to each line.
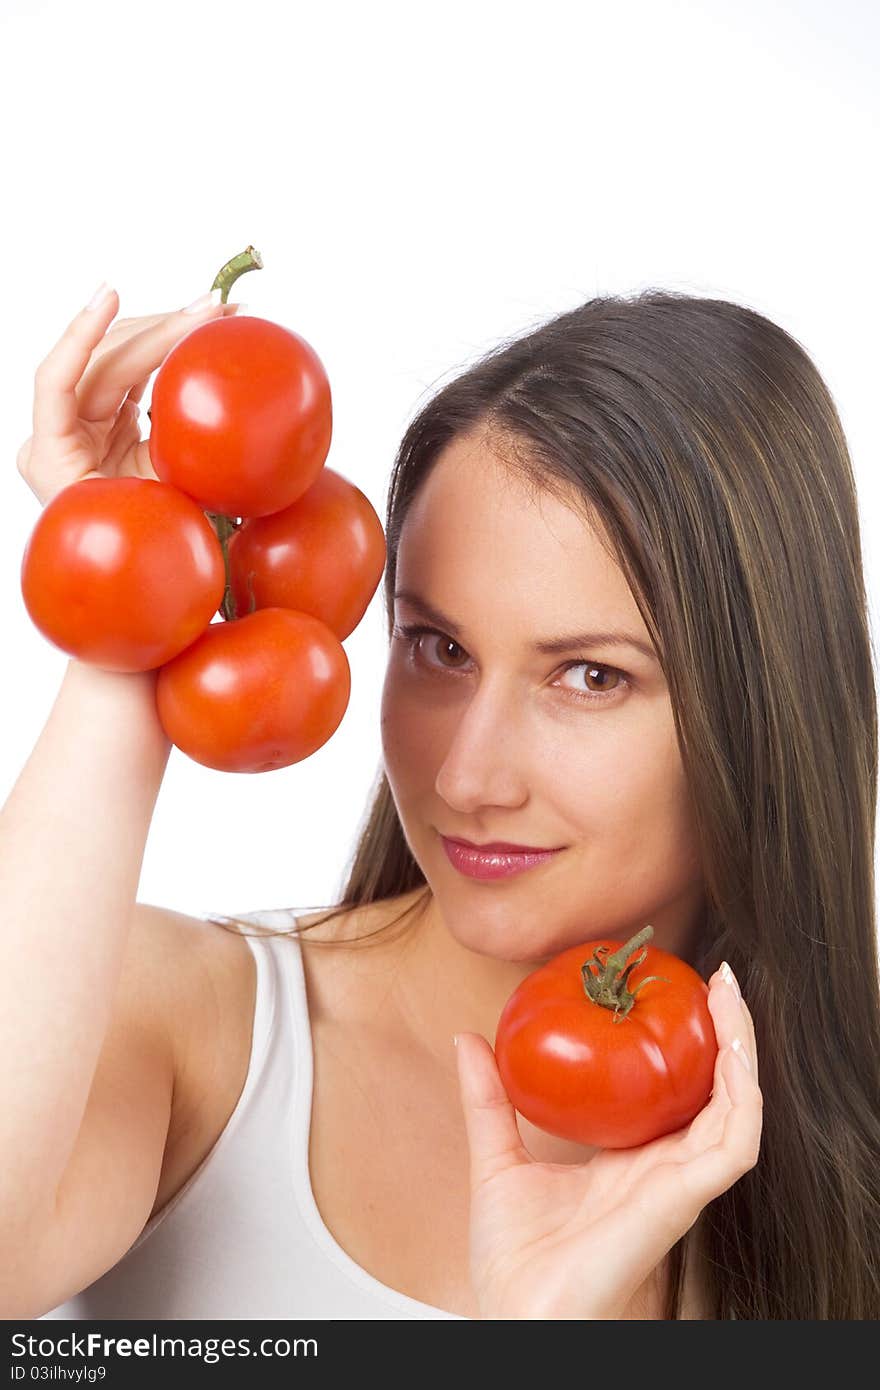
55, 404
707, 1126
109, 379
124, 437
711, 1172
131, 457
137, 392
494, 1140
126, 328
740, 1020
127, 420
727, 1011
141, 463
749, 1035
23, 456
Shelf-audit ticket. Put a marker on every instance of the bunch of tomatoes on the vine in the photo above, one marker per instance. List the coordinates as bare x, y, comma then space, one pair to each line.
245, 521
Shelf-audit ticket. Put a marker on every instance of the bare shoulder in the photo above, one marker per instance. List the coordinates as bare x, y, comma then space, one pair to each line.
186, 964
202, 977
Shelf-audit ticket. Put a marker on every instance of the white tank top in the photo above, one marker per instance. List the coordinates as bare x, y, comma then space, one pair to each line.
243, 1237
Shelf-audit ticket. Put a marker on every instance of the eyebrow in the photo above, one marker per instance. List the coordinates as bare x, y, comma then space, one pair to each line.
549, 645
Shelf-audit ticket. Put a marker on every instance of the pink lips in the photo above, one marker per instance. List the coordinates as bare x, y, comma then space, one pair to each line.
488, 863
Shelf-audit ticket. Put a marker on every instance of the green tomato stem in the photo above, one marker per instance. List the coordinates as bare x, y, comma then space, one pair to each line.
249, 259
608, 986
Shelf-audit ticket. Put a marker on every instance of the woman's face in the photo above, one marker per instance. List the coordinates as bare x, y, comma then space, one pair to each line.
487, 738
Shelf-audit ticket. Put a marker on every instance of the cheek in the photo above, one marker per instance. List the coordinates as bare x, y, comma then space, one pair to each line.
642, 816
608, 775
620, 785
410, 735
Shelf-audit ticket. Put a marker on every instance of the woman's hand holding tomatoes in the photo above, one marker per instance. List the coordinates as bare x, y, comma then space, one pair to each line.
121, 571
578, 1241
86, 393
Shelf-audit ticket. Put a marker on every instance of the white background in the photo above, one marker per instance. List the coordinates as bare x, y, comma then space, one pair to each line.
421, 180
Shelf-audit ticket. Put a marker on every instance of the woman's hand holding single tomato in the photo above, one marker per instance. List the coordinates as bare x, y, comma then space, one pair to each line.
577, 1241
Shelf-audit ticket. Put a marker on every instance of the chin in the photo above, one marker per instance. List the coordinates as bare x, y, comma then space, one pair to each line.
501, 933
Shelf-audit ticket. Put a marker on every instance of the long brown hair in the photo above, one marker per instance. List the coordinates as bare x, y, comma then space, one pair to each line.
703, 437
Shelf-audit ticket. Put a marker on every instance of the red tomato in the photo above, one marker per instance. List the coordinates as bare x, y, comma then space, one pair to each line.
255, 693
575, 1070
240, 416
122, 572
322, 555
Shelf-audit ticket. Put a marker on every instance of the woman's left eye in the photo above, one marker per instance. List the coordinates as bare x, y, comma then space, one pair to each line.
411, 635
592, 666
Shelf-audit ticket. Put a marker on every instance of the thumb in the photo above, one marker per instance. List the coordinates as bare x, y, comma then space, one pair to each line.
490, 1119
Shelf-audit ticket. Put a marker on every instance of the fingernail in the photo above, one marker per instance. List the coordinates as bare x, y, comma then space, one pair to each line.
727, 975
455, 1039
102, 293
741, 1053
204, 301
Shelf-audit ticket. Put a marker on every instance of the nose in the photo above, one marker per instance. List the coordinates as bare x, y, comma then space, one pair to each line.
485, 762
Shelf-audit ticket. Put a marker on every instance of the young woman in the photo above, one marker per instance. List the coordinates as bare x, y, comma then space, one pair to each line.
628, 624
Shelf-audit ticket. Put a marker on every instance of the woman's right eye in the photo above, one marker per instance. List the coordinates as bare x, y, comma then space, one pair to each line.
412, 633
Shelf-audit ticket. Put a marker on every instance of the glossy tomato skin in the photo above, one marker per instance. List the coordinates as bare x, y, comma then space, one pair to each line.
573, 1071
241, 416
256, 693
322, 555
123, 573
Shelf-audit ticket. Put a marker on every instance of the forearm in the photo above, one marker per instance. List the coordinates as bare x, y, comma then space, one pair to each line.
72, 837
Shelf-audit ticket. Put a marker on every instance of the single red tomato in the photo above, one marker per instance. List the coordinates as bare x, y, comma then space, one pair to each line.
240, 416
256, 693
577, 1069
123, 573
324, 555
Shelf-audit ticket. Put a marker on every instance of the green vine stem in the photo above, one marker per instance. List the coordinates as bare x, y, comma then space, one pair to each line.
608, 986
248, 259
